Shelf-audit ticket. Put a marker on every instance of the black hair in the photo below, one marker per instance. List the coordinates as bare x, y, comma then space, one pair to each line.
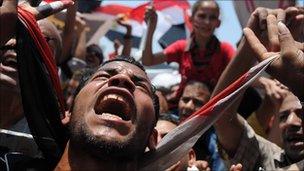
87, 75
96, 50
197, 4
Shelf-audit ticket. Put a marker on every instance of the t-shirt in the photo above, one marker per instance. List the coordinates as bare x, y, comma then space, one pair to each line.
204, 67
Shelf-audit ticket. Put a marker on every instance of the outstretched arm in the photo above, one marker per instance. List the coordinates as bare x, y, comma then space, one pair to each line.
127, 44
230, 127
68, 33
148, 58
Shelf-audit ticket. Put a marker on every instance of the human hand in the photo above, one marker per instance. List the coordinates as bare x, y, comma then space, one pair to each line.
295, 22
202, 165
237, 167
80, 24
290, 64
121, 20
151, 17
8, 14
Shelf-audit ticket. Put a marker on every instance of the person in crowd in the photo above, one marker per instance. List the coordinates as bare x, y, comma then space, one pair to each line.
203, 57
237, 141
112, 119
194, 96
164, 125
18, 149
264, 120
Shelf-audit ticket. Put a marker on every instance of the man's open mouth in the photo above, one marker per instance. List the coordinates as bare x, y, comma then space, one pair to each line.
114, 107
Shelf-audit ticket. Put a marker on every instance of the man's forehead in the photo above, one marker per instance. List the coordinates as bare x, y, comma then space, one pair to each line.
290, 102
124, 66
194, 91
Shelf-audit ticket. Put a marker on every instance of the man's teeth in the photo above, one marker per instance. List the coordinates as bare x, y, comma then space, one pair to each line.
113, 96
109, 116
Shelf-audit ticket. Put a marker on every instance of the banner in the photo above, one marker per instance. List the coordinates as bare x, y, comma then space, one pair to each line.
179, 141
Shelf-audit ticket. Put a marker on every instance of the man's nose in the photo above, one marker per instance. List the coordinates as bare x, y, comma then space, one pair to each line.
122, 80
190, 105
294, 120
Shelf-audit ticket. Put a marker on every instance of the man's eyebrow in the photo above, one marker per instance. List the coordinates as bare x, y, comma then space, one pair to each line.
140, 78
109, 70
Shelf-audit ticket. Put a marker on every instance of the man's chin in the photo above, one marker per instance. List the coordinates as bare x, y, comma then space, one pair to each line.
103, 147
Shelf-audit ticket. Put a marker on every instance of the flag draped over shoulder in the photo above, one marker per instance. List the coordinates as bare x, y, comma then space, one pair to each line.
42, 98
179, 141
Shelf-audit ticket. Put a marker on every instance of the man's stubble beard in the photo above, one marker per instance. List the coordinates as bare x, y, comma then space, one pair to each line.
100, 148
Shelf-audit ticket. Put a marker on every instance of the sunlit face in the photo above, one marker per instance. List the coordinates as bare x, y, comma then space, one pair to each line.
292, 132
206, 19
193, 98
113, 114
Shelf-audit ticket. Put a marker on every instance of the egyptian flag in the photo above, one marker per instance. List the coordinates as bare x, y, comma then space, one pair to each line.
179, 141
42, 99
173, 20
115, 31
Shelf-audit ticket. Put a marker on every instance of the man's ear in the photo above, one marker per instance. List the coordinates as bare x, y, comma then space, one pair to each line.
192, 157
66, 119
153, 140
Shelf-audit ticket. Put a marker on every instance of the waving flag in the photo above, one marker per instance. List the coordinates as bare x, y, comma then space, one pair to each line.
179, 141
42, 98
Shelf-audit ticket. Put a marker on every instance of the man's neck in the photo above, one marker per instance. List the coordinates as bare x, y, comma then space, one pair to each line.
201, 41
77, 159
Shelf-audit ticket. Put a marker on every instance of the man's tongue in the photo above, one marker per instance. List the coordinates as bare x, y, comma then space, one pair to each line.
109, 116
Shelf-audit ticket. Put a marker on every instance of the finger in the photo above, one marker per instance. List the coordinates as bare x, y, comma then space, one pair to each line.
300, 46
279, 13
291, 13
52, 8
272, 28
286, 41
262, 12
255, 44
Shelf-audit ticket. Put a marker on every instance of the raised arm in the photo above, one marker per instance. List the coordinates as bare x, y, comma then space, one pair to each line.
81, 32
148, 58
127, 44
230, 126
68, 33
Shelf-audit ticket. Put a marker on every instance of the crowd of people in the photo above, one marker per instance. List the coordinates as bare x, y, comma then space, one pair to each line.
64, 106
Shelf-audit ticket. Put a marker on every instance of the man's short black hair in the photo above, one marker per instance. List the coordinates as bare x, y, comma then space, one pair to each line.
97, 51
87, 75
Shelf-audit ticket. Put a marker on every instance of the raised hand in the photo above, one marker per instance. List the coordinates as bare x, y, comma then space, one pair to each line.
151, 17
289, 67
